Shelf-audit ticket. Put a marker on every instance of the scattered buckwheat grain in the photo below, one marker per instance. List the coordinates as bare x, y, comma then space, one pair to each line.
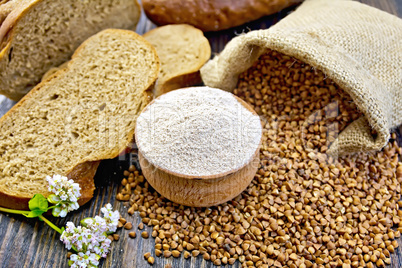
303, 209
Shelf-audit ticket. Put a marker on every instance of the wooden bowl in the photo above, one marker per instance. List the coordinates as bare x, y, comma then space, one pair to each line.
200, 191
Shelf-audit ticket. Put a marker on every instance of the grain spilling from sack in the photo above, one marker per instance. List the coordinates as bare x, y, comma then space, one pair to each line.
303, 208
356, 45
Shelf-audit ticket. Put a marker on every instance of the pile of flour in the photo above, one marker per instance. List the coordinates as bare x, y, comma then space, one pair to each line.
198, 131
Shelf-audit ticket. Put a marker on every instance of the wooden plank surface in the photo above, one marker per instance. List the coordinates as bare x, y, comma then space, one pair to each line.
30, 243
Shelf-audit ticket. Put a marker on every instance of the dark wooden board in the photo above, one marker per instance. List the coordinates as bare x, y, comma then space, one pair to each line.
31, 243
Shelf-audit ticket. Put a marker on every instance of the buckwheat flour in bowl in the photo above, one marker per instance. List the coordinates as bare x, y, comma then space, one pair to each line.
196, 136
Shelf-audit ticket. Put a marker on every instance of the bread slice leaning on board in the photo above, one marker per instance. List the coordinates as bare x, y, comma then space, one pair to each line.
81, 114
183, 50
36, 35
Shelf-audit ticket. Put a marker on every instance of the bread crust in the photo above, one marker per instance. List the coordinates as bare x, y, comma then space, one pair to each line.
5, 8
83, 172
211, 15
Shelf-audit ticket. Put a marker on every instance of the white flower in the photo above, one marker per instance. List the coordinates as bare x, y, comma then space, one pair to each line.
111, 217
100, 245
97, 224
90, 238
86, 238
65, 189
104, 247
79, 236
82, 260
63, 208
66, 194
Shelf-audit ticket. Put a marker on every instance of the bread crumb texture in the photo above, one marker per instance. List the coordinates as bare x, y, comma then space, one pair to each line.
49, 31
86, 112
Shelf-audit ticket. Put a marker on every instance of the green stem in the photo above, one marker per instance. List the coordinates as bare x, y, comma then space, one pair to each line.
51, 224
14, 211
25, 213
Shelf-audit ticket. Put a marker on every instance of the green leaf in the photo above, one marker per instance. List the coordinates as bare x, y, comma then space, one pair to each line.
34, 214
38, 205
38, 202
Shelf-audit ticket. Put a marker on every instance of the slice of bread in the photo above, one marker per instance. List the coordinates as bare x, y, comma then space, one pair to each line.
182, 50
83, 113
37, 35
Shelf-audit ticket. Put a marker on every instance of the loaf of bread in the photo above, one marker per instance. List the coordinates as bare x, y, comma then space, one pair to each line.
81, 114
182, 50
211, 15
36, 35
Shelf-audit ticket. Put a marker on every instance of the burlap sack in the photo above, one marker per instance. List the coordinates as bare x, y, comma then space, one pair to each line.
357, 46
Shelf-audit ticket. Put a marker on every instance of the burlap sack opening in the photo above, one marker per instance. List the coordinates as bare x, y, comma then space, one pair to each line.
357, 46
